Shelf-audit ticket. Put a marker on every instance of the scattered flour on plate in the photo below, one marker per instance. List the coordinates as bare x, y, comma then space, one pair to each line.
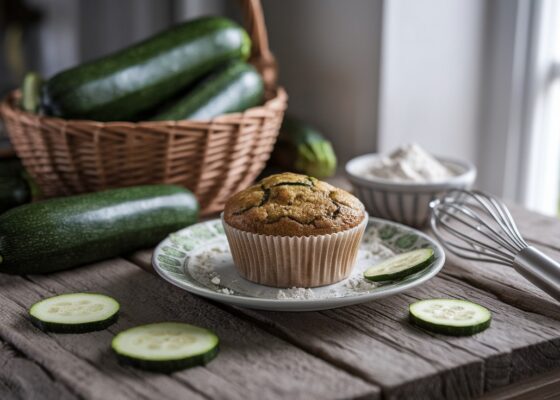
358, 282
204, 267
296, 293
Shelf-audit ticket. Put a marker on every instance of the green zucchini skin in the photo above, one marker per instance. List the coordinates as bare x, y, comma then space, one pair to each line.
169, 366
62, 233
130, 346
404, 273
43, 320
78, 328
451, 331
233, 88
124, 84
421, 321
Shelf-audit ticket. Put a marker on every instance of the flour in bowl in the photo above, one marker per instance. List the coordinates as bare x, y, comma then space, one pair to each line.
409, 163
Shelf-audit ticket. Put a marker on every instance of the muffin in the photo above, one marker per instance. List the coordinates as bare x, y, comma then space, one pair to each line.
294, 230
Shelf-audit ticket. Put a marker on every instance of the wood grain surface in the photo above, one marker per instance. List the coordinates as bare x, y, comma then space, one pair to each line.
363, 351
251, 364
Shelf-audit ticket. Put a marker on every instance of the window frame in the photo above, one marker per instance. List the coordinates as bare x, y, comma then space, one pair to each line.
516, 143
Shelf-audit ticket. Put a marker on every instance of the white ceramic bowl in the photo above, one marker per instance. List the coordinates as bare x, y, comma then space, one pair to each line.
404, 202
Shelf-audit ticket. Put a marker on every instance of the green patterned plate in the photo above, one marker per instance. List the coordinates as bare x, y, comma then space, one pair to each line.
198, 260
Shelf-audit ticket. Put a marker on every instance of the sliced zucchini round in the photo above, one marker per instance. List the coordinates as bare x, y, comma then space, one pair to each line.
75, 313
401, 265
450, 316
166, 346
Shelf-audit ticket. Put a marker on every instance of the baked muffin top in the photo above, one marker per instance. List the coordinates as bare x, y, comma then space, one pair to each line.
290, 204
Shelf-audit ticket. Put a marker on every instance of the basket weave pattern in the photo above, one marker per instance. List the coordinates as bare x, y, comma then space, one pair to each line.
213, 158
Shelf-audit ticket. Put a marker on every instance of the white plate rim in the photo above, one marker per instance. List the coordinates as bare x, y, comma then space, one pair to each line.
309, 304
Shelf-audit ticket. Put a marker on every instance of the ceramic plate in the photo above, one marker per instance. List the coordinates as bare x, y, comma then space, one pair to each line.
198, 260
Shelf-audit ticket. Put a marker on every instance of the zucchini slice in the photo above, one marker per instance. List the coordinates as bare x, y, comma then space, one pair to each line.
401, 265
450, 316
75, 313
166, 346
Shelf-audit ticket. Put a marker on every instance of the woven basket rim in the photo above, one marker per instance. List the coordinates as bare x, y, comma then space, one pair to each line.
9, 104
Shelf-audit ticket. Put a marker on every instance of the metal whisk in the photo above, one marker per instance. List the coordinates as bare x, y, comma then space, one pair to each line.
476, 226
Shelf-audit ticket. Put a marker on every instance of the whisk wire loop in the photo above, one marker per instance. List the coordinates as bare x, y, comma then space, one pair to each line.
503, 217
489, 231
476, 226
470, 252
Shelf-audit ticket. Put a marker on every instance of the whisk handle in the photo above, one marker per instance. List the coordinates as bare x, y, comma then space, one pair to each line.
539, 269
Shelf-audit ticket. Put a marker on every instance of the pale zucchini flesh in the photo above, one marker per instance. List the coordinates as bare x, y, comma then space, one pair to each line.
166, 346
450, 316
400, 266
75, 313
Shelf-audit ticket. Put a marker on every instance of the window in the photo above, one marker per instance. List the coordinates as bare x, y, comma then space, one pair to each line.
541, 139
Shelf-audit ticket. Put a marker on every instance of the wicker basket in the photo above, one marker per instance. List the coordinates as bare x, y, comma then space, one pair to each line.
213, 158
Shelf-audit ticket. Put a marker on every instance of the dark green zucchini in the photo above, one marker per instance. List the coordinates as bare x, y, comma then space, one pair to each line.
301, 148
66, 232
124, 84
233, 88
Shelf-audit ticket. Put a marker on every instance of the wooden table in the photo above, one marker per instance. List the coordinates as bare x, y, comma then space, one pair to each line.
364, 351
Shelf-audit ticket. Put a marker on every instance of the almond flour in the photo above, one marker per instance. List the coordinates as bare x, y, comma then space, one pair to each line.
409, 163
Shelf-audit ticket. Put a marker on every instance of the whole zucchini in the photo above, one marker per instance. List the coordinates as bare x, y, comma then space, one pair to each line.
66, 232
122, 85
302, 148
233, 88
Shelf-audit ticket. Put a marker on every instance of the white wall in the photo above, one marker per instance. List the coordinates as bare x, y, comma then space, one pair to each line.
370, 74
328, 53
57, 35
431, 75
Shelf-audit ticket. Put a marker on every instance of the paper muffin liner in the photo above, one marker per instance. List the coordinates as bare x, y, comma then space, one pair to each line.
301, 261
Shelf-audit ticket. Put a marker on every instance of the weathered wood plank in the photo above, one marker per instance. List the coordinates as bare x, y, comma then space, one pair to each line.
537, 228
501, 363
376, 342
91, 379
543, 387
518, 344
271, 368
506, 284
23, 379
541, 231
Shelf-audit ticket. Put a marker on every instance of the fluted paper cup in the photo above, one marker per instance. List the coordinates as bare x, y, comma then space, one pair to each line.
301, 261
